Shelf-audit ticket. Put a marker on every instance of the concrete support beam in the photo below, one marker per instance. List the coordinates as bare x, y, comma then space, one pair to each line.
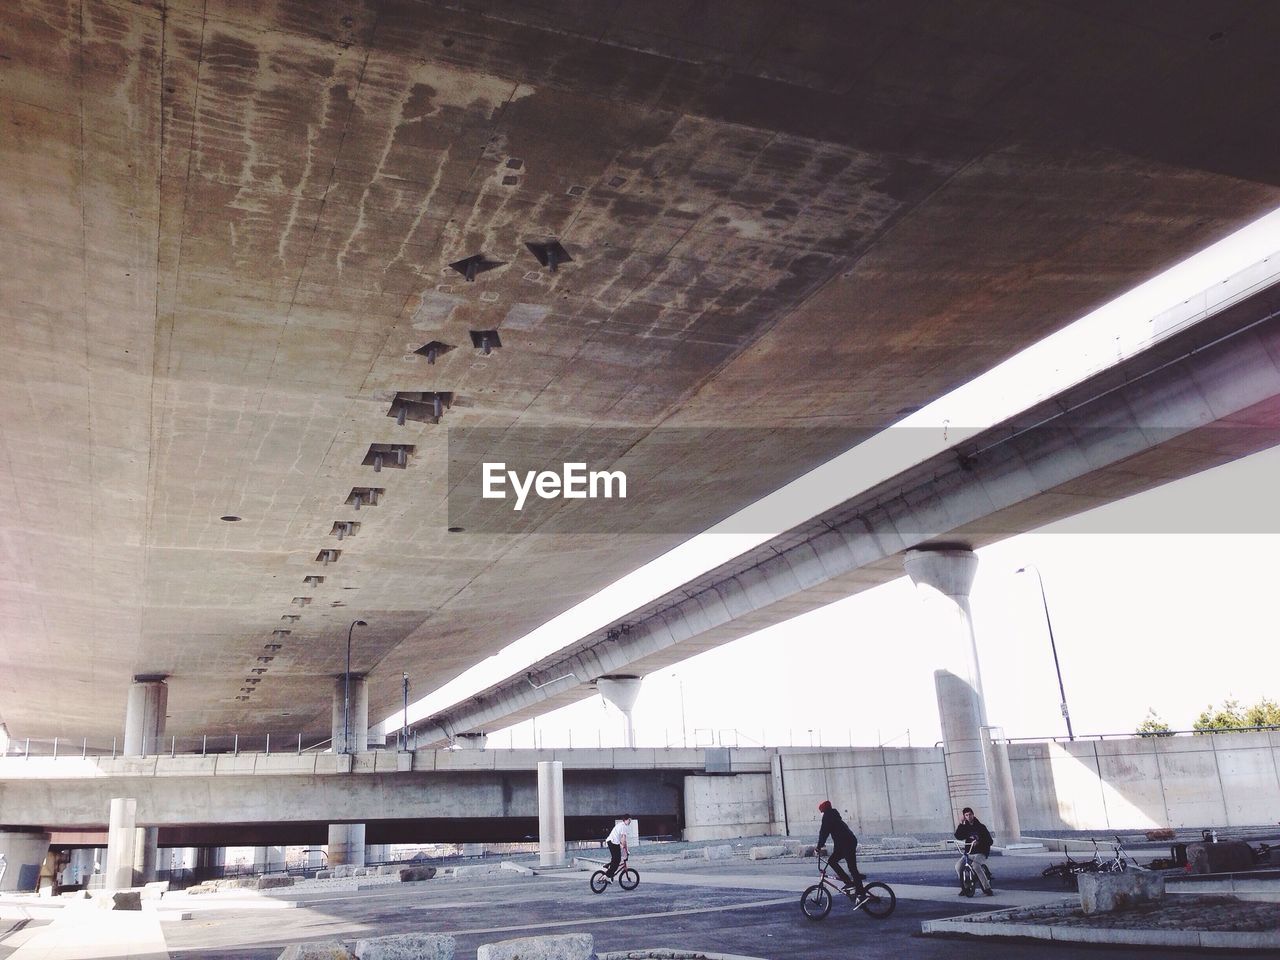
268, 859
550, 813
144, 716
146, 854
346, 844
350, 715
121, 838
943, 579
471, 741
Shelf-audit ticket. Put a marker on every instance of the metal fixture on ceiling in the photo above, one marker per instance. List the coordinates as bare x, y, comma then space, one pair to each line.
486, 341
392, 455
469, 267
328, 556
425, 406
313, 581
549, 253
344, 528
434, 350
365, 496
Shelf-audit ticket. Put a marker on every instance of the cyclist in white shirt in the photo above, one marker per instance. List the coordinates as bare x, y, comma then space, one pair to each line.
617, 841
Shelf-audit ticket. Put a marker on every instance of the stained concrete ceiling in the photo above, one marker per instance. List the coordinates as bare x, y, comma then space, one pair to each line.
227, 228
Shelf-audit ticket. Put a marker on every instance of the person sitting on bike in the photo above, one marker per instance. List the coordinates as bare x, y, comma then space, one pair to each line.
844, 846
974, 833
617, 841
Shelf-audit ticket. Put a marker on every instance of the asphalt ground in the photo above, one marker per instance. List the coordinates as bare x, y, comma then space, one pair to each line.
736, 906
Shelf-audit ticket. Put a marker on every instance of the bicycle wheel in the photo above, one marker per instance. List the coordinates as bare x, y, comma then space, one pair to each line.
816, 902
599, 881
881, 900
968, 881
628, 879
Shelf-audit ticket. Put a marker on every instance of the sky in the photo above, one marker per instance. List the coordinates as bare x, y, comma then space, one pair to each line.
1170, 618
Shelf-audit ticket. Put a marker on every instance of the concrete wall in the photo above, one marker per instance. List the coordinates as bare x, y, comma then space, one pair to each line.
1230, 779
723, 807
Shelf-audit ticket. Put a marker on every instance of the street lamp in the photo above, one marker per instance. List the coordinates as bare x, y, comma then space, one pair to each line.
405, 729
346, 691
1062, 693
684, 735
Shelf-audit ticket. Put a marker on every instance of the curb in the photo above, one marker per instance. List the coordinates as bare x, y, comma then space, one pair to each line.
1209, 939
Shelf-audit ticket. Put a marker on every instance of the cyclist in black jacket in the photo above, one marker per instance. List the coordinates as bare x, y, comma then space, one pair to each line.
844, 846
974, 832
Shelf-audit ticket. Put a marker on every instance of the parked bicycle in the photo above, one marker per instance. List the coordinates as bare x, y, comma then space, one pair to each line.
1069, 871
969, 880
877, 898
628, 878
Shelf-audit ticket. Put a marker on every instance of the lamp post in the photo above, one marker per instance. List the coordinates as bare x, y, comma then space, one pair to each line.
684, 728
404, 734
1062, 693
346, 691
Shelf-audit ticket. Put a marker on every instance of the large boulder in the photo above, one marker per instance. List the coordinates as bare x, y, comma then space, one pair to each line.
126, 900
1109, 892
406, 946
410, 874
766, 853
565, 946
269, 883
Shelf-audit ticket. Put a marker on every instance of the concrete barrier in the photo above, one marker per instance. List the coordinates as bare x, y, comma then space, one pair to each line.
406, 946
1109, 892
766, 853
123, 900
155, 890
410, 874
316, 950
342, 871
801, 849
721, 852
898, 843
323, 875
270, 883
566, 946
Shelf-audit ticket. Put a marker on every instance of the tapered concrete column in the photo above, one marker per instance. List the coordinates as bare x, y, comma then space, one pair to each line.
357, 725
144, 716
622, 693
377, 853
943, 579
146, 854
550, 813
346, 844
121, 837
471, 741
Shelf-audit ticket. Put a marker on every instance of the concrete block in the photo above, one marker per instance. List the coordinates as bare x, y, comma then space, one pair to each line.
360, 871
720, 852
899, 843
342, 871
566, 946
387, 869
269, 883
476, 870
316, 950
766, 853
406, 946
410, 874
324, 875
155, 890
1109, 892
126, 900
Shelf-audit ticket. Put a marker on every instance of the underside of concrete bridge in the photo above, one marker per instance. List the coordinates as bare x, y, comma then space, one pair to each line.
261, 258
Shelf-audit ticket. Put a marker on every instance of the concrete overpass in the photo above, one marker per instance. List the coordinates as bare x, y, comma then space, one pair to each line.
261, 261
233, 234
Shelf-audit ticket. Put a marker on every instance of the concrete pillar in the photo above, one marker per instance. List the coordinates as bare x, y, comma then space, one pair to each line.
144, 715
346, 844
376, 853
471, 741
550, 813
209, 862
943, 578
146, 854
268, 859
121, 837
621, 691
357, 725
23, 851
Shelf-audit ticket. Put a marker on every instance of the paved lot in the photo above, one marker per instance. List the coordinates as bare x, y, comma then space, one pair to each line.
737, 906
